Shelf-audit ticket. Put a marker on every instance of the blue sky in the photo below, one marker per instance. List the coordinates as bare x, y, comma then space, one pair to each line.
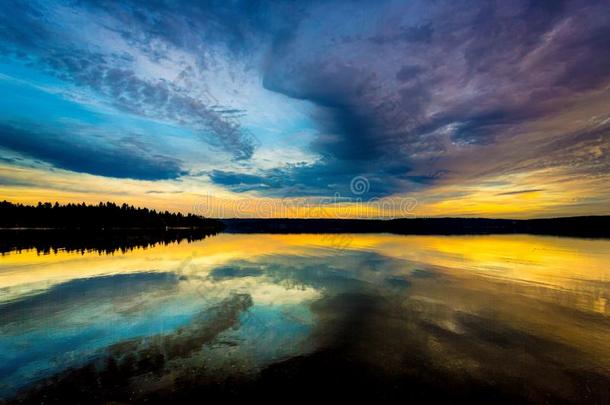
458, 104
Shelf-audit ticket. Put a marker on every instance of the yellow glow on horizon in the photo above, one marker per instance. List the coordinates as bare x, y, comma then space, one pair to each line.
541, 193
558, 261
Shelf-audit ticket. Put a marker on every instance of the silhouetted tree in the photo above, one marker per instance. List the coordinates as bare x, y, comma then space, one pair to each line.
102, 216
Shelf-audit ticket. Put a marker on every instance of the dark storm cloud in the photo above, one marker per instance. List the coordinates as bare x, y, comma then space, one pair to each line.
109, 160
324, 178
487, 68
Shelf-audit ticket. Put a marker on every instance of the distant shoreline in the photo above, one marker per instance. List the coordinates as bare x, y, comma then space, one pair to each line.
584, 226
111, 239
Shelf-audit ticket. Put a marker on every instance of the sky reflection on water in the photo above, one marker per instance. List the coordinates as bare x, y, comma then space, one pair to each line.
522, 315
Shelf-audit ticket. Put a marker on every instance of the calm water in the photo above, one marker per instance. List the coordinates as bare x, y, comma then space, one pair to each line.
523, 318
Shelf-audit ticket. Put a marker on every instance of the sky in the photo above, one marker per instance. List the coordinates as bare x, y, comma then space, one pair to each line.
309, 108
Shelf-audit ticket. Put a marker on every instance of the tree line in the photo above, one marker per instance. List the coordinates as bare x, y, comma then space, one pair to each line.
105, 215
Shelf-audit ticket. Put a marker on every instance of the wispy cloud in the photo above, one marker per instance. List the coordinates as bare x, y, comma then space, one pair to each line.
533, 190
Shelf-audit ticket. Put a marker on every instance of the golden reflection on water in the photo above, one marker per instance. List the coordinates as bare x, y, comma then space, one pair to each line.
544, 262
507, 296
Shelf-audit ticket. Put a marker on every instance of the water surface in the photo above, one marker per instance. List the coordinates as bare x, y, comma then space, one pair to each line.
513, 317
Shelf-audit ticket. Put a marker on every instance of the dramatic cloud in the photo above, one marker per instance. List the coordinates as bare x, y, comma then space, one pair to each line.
413, 96
466, 74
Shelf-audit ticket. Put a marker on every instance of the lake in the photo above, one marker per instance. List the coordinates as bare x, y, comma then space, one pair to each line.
510, 318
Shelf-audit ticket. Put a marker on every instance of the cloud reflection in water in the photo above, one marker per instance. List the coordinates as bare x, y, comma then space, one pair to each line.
387, 314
